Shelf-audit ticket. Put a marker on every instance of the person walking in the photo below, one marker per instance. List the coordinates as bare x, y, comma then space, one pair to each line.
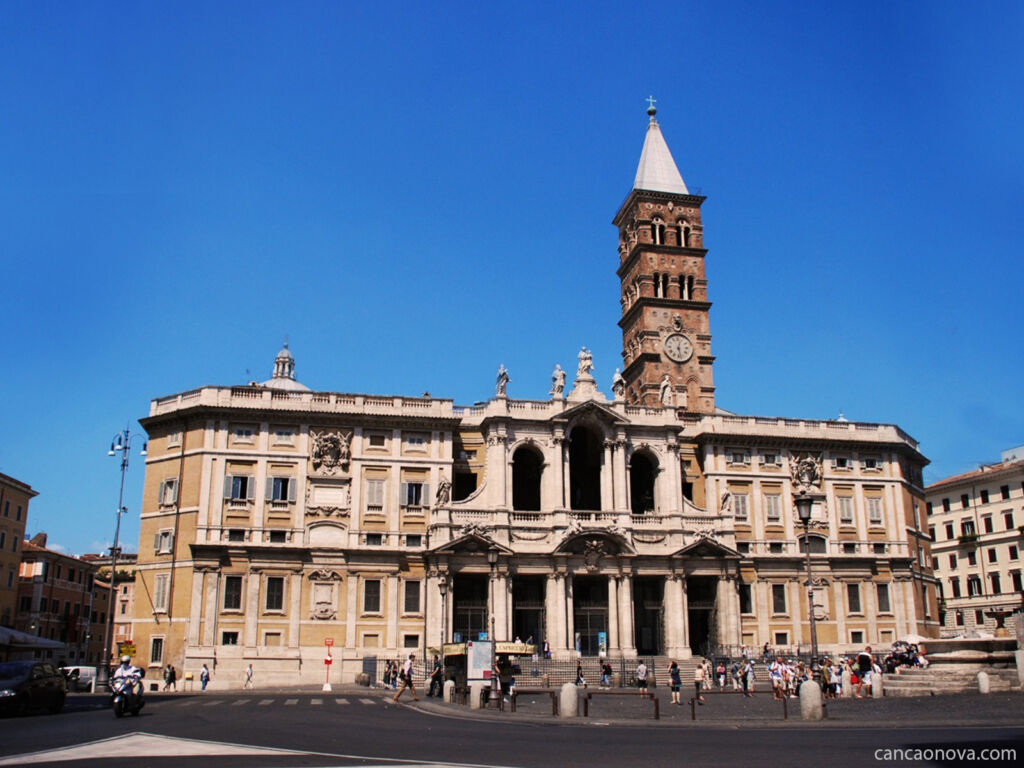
172, 678
675, 683
699, 676
204, 677
407, 679
248, 678
735, 673
744, 672
581, 681
167, 677
436, 681
720, 674
606, 675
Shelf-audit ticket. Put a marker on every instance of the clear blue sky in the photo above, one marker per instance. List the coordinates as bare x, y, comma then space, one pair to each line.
418, 192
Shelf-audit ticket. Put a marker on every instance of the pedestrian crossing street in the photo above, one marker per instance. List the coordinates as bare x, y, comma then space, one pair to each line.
253, 702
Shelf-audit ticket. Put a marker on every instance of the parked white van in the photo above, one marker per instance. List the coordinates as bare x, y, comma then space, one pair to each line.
79, 678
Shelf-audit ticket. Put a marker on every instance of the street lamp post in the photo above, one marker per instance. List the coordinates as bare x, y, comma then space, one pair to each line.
804, 504
442, 587
122, 442
492, 560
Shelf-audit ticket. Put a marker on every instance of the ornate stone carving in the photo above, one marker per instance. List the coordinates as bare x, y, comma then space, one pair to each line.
474, 529
585, 366
557, 382
331, 452
327, 511
324, 574
618, 385
531, 536
444, 492
818, 525
665, 391
592, 553
807, 473
643, 537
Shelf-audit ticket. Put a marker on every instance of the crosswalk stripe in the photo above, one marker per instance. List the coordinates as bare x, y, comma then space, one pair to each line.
213, 703
239, 703
291, 702
264, 702
367, 701
316, 702
341, 701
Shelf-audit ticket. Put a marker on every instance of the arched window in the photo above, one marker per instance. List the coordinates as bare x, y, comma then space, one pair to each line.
657, 285
584, 469
689, 287
686, 237
527, 468
641, 484
664, 286
683, 292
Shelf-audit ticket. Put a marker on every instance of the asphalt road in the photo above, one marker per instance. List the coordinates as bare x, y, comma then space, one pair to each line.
362, 728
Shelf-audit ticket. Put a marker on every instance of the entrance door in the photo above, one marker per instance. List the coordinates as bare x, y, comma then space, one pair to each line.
528, 609
469, 607
648, 616
701, 592
590, 613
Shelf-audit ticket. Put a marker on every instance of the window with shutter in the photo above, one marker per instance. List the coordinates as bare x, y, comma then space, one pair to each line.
853, 597
232, 593
845, 509
160, 582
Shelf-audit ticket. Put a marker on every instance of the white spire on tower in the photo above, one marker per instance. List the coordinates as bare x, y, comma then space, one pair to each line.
657, 171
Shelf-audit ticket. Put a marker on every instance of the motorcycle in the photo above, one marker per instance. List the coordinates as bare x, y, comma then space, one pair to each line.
126, 694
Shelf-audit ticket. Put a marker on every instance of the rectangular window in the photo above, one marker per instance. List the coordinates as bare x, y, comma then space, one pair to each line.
949, 531
174, 438
413, 540
272, 639
741, 504
371, 596
840, 462
770, 459
1004, 491
229, 638
979, 617
874, 507
1013, 552
7, 508
236, 534
160, 583
845, 509
945, 505
778, 598
412, 597
238, 487
967, 527
959, 618
414, 494
973, 586
168, 494
1018, 585
416, 440
986, 523
773, 506
781, 639
746, 599
18, 517
278, 537
993, 555
931, 532
853, 597
374, 539
883, 598
281, 489
857, 636
996, 587
244, 434
952, 562
1008, 520
156, 651
954, 586
411, 641
377, 439
972, 558
3, 539
163, 541
965, 501
275, 593
984, 497
738, 456
232, 593
870, 463
375, 496
284, 436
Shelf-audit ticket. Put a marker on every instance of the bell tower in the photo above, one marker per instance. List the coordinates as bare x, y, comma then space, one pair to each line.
666, 336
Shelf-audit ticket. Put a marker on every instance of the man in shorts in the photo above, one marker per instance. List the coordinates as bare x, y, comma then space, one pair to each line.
641, 678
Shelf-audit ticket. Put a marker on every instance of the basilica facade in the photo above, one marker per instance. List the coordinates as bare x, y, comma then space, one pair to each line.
278, 522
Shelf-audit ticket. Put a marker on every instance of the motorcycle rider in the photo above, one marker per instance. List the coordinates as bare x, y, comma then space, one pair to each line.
132, 677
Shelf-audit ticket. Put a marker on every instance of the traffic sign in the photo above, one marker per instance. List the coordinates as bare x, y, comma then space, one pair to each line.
328, 641
328, 660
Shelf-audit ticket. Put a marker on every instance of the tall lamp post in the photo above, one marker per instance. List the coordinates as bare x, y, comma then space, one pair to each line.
492, 560
442, 587
122, 442
804, 504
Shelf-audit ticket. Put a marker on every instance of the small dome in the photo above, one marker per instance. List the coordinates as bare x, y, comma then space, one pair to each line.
284, 372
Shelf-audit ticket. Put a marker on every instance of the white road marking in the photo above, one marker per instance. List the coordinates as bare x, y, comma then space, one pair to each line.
367, 701
341, 701
264, 702
315, 702
213, 703
239, 703
291, 702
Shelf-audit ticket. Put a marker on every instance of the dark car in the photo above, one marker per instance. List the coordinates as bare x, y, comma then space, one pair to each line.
26, 685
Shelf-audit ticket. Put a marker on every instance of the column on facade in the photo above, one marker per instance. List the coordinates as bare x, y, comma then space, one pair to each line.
870, 599
684, 618
555, 611
626, 637
211, 593
607, 470
840, 610
252, 608
294, 616
500, 605
898, 608
796, 611
670, 486
259, 510
196, 607
762, 596
730, 628
910, 604
620, 475
568, 608
432, 595
496, 468
394, 608
566, 490
351, 603
509, 610
672, 603
613, 614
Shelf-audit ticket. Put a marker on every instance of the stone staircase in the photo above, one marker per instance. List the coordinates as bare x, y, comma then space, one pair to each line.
944, 679
561, 672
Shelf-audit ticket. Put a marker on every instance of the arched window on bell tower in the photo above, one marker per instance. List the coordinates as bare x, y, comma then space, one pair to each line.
683, 292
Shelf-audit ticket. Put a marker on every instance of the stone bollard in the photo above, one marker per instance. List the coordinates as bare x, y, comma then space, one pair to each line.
363, 679
569, 701
616, 679
877, 690
476, 691
847, 685
984, 686
449, 692
810, 701
1019, 657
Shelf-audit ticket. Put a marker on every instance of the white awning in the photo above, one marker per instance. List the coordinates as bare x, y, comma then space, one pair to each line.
12, 638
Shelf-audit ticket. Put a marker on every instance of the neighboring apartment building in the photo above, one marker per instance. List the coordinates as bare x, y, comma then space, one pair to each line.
14, 499
124, 598
977, 527
647, 522
55, 601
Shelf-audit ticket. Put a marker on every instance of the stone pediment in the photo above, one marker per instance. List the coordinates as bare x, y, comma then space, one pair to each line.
706, 548
593, 410
585, 541
470, 544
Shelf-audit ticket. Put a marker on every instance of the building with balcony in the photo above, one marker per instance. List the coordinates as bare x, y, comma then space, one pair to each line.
639, 520
977, 526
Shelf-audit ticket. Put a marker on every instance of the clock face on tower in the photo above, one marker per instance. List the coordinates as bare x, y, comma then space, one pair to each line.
678, 348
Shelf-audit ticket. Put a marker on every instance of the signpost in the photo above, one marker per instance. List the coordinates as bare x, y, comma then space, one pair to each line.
328, 642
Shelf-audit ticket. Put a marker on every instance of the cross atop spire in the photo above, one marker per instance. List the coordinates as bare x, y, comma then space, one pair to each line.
651, 109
